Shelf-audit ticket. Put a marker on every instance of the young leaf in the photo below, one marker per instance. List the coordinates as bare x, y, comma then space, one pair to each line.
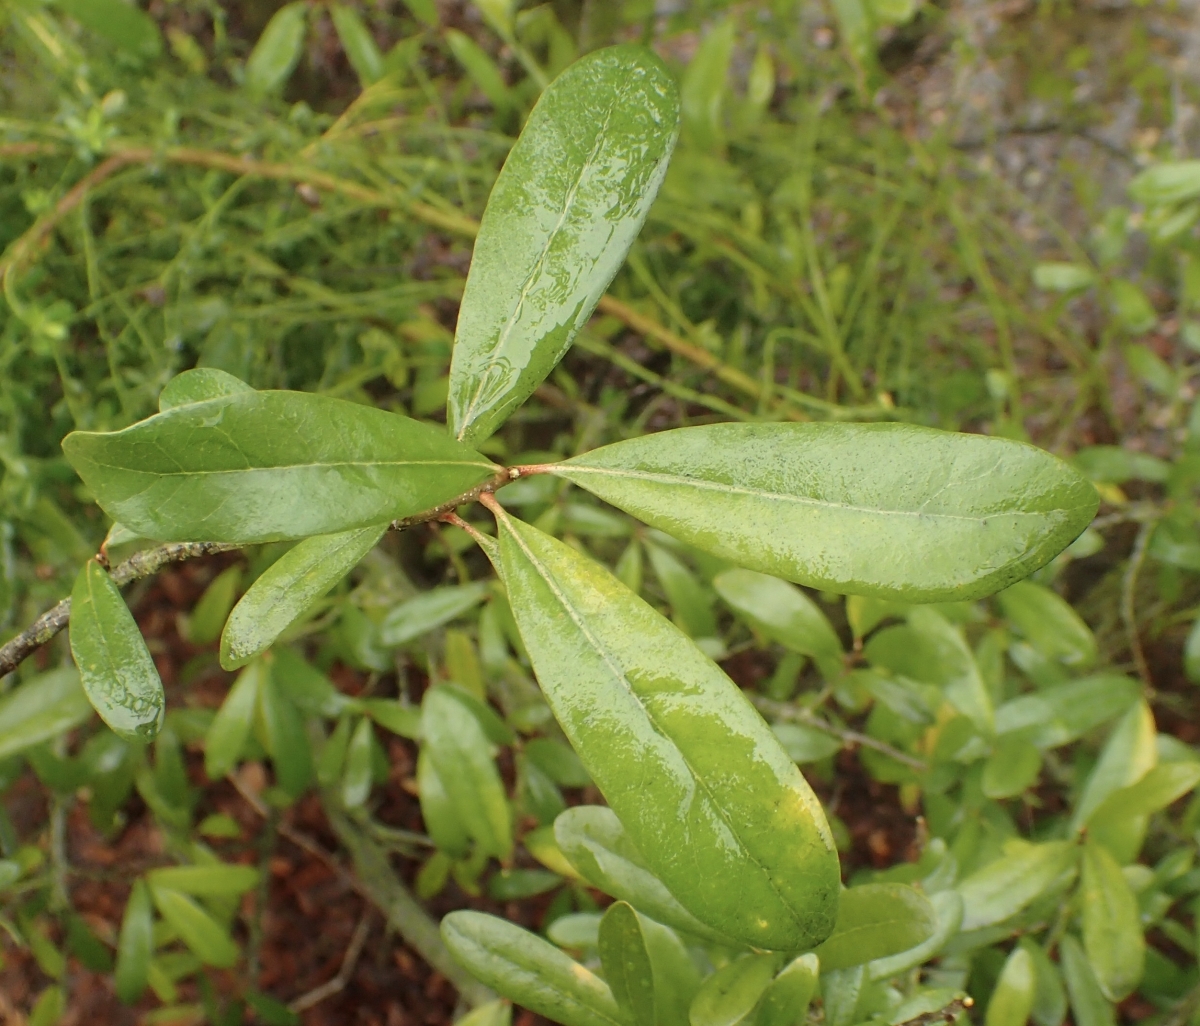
529, 971
135, 945
626, 963
231, 726
270, 466
1089, 1007
437, 810
216, 880
121, 23
785, 1002
461, 754
1112, 928
428, 611
948, 908
289, 588
278, 50
197, 386
207, 939
41, 708
116, 668
891, 510
731, 994
1012, 1000
1049, 623
707, 794
1004, 887
360, 46
1172, 181
568, 204
1129, 754
875, 921
594, 841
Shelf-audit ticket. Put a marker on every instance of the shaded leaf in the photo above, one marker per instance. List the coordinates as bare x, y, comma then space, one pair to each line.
731, 994
135, 945
231, 726
626, 963
1004, 887
430, 610
875, 921
40, 709
277, 50
1112, 928
1049, 624
785, 1002
1012, 998
204, 936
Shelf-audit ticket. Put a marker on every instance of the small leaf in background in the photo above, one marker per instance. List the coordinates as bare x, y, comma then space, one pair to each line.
115, 666
563, 213
361, 49
1049, 995
1013, 766
806, 744
785, 1001
463, 665
948, 908
205, 881
1131, 308
783, 613
1152, 369
208, 617
629, 567
462, 756
1059, 714
481, 69
760, 83
121, 23
204, 936
199, 385
40, 709
278, 50
519, 884
1191, 653
49, 1008
289, 589
286, 738
1089, 1006
529, 971
442, 822
1112, 927
492, 1013
424, 10
1063, 277
430, 610
1004, 887
1169, 182
557, 761
356, 771
231, 726
730, 994
626, 963
1114, 465
135, 945
690, 603
704, 85
1012, 998
498, 14
307, 686
875, 921
890, 510
397, 717
1128, 755
270, 1011
1049, 624
841, 989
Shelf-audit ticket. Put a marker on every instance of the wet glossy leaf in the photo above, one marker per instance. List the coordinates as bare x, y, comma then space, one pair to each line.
1014, 765
289, 589
1004, 887
626, 963
594, 841
568, 204
41, 708
430, 610
205, 881
197, 386
1012, 999
437, 810
115, 667
948, 908
207, 939
231, 727
785, 1001
360, 46
1112, 928
121, 23
731, 994
1089, 1006
529, 971
278, 50
783, 613
892, 510
875, 921
661, 729
135, 945
1057, 715
1128, 755
462, 756
270, 466
209, 615
1049, 624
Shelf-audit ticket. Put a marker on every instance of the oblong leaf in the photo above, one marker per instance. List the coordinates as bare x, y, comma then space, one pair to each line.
207, 939
730, 994
135, 945
948, 907
1128, 755
626, 963
205, 881
1049, 623
270, 466
1004, 887
115, 666
891, 510
230, 728
785, 1002
123, 24
529, 971
278, 49
437, 810
875, 921
289, 588
40, 709
199, 385
361, 49
708, 796
1089, 1006
1012, 1000
565, 209
428, 611
1112, 927
1057, 715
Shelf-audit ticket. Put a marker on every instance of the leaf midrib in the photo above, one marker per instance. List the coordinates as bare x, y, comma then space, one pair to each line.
292, 466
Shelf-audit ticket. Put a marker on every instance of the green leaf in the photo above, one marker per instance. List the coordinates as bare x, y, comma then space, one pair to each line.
519, 884
1112, 928
676, 978
209, 615
1049, 624
49, 1008
462, 756
289, 589
270, 466
1111, 463
278, 50
216, 880
360, 46
1151, 367
40, 709
703, 89
492, 1013
1055, 276
596, 844
1012, 999
806, 744
626, 963
1013, 766
691, 605
1169, 182
1191, 653
430, 610
286, 738
1089, 1006
1003, 887
565, 209
120, 23
356, 772
875, 921
731, 994
442, 822
135, 945
557, 761
397, 717
841, 990
1132, 310
890, 510
231, 726
197, 386
529, 971
424, 10
480, 67
1049, 997
116, 668
783, 613
307, 686
1165, 783
1058, 715
785, 1001
948, 908
1128, 755
705, 791
207, 939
